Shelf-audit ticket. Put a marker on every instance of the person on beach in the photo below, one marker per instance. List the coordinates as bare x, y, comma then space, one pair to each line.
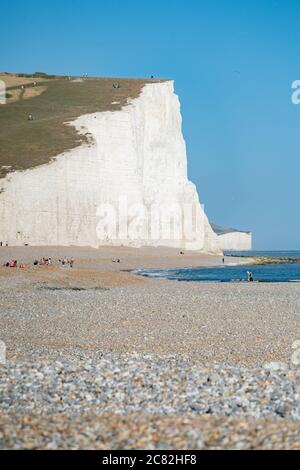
249, 276
12, 264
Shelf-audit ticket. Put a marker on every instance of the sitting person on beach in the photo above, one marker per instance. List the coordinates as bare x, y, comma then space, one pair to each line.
249, 276
13, 264
67, 261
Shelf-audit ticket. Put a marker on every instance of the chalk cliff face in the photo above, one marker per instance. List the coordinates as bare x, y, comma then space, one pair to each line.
238, 241
233, 239
116, 190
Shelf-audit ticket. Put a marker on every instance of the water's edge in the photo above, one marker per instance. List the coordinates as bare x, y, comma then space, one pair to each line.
264, 268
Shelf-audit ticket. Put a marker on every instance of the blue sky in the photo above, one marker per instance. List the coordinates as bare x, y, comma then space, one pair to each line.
233, 63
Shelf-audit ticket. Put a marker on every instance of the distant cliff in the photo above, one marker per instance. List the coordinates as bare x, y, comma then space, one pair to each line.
125, 184
233, 239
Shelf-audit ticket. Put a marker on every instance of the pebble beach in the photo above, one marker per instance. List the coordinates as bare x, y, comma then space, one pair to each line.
100, 358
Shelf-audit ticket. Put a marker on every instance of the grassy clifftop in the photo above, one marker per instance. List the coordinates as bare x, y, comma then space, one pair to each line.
52, 101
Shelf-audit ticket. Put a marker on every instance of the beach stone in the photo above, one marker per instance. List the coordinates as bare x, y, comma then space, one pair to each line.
275, 366
124, 383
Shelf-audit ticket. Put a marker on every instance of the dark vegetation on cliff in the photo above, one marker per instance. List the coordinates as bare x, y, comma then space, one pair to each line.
52, 101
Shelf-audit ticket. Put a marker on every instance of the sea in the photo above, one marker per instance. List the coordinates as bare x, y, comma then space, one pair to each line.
281, 272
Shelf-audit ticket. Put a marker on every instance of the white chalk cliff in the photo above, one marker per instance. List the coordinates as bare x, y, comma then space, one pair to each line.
233, 239
137, 156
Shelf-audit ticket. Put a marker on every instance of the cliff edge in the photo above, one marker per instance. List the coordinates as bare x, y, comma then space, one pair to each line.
124, 182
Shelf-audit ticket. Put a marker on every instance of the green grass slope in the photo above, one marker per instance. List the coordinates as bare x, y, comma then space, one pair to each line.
27, 144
